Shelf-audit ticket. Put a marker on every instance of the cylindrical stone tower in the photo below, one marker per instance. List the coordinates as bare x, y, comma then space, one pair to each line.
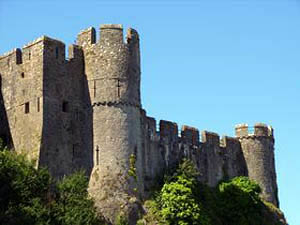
258, 148
113, 71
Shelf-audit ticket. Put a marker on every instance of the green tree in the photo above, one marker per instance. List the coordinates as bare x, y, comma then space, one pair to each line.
23, 191
73, 205
25, 196
179, 200
239, 202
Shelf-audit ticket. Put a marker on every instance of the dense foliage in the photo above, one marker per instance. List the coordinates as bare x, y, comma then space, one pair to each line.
31, 197
25, 196
184, 200
178, 198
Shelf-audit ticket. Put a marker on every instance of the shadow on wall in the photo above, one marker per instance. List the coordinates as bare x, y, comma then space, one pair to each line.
5, 133
67, 138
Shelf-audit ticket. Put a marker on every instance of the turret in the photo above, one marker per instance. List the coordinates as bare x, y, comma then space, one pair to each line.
258, 148
113, 72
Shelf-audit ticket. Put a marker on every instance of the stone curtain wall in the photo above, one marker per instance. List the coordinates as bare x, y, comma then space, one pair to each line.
21, 88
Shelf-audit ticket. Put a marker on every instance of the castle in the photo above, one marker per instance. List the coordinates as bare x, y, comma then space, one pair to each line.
85, 111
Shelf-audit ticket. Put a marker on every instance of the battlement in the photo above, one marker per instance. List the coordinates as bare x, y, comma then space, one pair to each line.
109, 34
86, 37
190, 135
168, 129
259, 130
210, 138
28, 51
226, 141
74, 51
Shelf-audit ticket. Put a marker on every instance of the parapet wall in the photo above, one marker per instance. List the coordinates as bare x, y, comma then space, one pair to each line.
259, 129
215, 158
108, 33
250, 153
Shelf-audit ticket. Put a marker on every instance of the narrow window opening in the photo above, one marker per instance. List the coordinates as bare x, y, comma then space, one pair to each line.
26, 107
19, 56
97, 155
118, 86
77, 115
95, 89
29, 55
22, 75
65, 106
56, 52
38, 104
73, 152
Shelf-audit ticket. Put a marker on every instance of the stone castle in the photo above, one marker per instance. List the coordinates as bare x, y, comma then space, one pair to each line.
85, 111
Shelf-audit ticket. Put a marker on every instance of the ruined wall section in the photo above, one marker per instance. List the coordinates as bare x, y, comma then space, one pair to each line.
21, 72
258, 148
112, 68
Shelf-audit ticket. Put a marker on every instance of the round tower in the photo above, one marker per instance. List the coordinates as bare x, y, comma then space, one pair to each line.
258, 148
113, 70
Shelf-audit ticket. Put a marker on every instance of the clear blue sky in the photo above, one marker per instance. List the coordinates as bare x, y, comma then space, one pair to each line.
208, 64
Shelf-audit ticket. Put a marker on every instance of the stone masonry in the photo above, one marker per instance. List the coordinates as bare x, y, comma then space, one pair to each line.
85, 111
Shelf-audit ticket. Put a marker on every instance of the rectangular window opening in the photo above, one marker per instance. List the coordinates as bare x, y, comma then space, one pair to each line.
65, 106
56, 52
26, 107
38, 104
95, 88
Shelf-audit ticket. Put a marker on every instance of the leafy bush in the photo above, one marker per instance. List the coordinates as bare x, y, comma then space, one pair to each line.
23, 192
25, 196
239, 202
178, 199
73, 205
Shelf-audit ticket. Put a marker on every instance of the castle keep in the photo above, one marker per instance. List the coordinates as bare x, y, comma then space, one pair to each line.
85, 111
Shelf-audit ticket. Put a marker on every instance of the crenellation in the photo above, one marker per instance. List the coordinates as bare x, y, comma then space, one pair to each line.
54, 50
190, 135
168, 129
132, 36
86, 37
241, 130
111, 34
210, 137
75, 52
227, 141
261, 129
85, 112
151, 127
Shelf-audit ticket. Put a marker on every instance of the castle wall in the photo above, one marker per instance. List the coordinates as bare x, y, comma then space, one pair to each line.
234, 161
215, 159
21, 87
153, 159
65, 138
